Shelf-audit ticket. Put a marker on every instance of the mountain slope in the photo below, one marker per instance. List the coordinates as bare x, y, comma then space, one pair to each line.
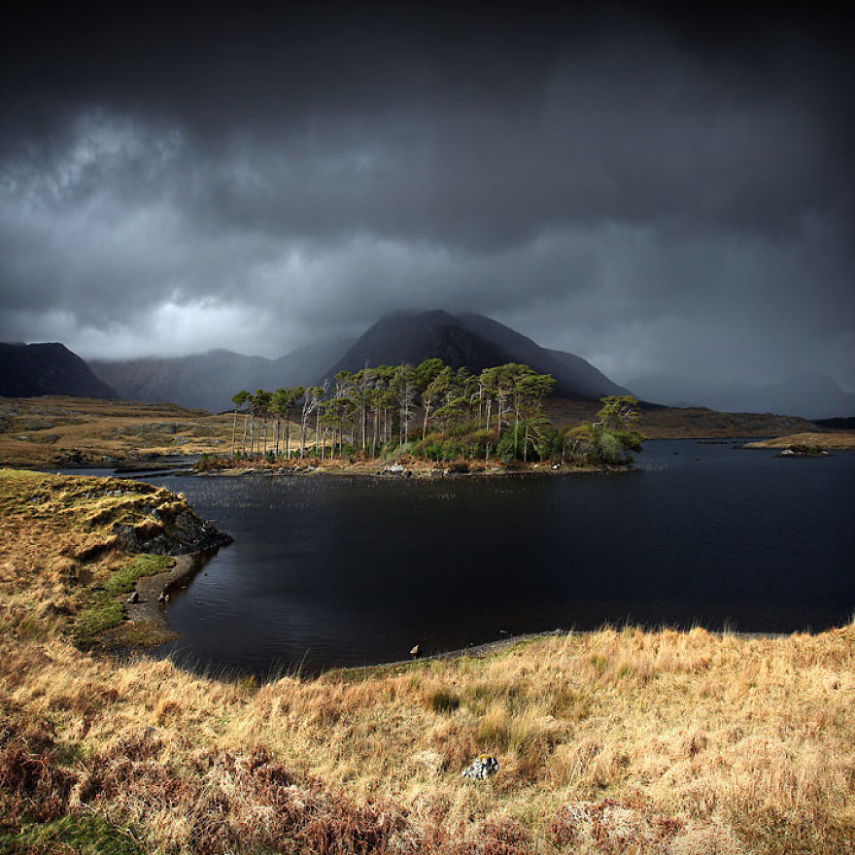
208, 380
473, 341
28, 370
415, 336
586, 377
201, 380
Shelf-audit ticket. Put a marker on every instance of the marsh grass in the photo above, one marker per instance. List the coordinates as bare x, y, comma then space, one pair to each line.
615, 741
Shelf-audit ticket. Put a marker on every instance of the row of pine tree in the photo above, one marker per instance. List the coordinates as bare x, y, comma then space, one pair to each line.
431, 410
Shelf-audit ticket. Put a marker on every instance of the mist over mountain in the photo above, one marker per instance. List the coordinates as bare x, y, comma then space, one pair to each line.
208, 380
29, 370
477, 342
810, 395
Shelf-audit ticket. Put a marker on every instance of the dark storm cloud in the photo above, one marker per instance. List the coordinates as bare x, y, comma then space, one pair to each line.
633, 185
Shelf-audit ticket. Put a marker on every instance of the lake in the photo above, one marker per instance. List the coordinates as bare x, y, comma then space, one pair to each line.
328, 571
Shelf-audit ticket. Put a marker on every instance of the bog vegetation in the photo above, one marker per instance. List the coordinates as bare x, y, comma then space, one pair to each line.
497, 414
616, 741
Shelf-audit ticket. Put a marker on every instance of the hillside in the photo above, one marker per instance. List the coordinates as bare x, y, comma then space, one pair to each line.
208, 380
412, 337
28, 370
683, 422
57, 431
472, 341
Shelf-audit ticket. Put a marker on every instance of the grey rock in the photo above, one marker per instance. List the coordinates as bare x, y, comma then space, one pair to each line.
481, 768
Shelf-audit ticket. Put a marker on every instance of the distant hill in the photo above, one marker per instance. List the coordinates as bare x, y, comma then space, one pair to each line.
208, 380
473, 341
811, 396
30, 370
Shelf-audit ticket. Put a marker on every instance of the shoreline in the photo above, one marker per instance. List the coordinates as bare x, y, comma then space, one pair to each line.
146, 620
489, 648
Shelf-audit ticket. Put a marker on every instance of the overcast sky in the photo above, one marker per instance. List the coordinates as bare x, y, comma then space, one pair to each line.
656, 193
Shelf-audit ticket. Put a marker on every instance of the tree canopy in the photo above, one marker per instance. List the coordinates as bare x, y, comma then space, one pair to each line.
495, 414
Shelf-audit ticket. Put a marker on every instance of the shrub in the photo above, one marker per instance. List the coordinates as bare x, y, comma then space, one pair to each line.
505, 450
806, 448
610, 449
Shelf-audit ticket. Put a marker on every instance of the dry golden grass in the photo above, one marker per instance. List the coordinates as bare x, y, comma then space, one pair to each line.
608, 742
53, 431
838, 439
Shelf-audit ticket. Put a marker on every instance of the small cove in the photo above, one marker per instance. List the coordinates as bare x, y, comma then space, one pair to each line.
336, 571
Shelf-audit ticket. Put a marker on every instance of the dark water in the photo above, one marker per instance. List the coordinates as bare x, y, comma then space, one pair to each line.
336, 571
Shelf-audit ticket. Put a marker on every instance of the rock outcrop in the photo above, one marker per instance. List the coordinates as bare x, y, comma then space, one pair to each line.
185, 533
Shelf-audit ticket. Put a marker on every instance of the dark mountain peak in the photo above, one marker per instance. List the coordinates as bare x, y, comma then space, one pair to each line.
471, 340
48, 368
411, 337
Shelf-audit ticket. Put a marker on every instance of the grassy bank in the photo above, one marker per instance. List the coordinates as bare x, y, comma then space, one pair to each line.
58, 431
840, 440
609, 742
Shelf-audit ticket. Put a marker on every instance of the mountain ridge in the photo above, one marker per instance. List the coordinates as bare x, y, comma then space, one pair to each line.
48, 368
209, 380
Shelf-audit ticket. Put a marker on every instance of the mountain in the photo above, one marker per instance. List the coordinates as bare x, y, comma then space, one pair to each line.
591, 381
200, 380
29, 370
811, 396
208, 380
415, 336
473, 341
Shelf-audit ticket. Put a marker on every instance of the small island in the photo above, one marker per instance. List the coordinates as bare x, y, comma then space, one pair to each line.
808, 444
484, 423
